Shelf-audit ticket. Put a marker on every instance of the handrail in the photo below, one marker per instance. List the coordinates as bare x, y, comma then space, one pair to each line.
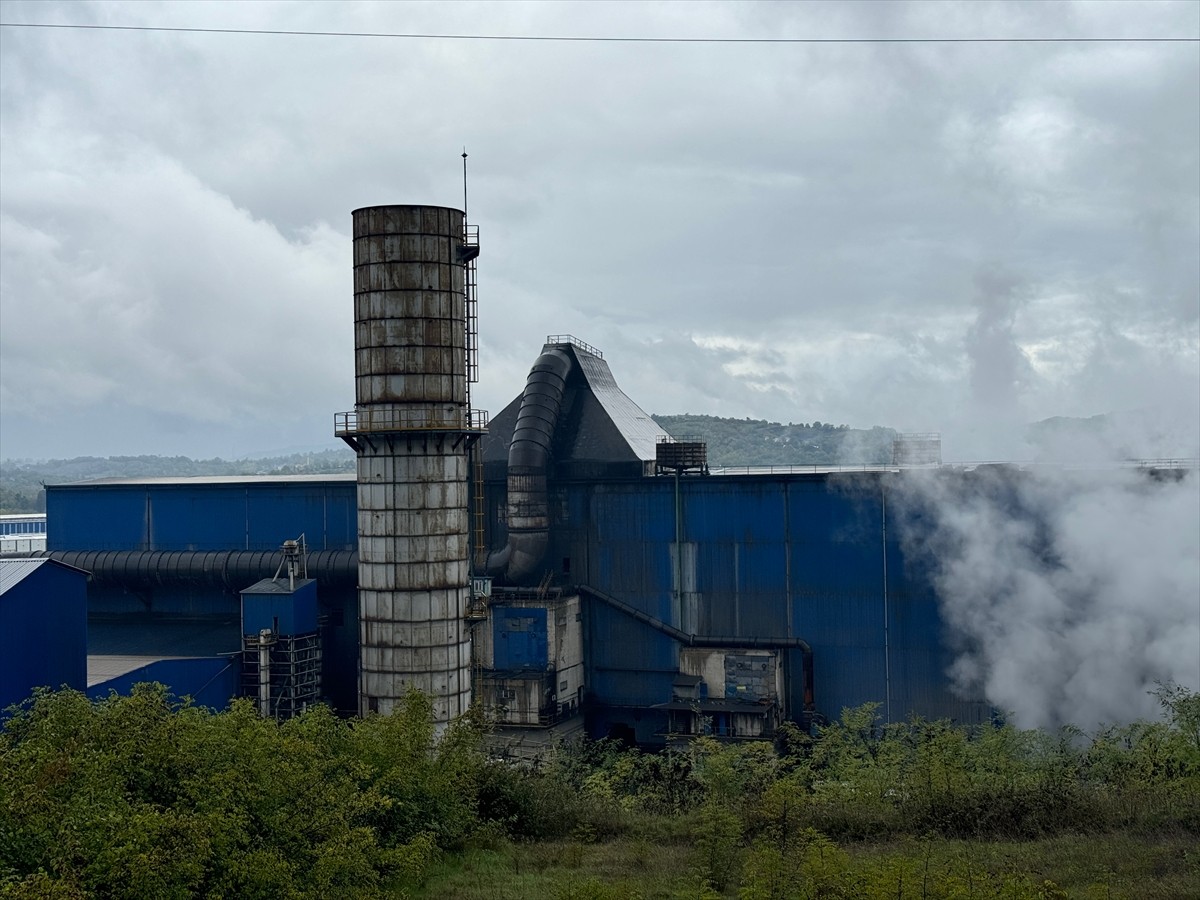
1028, 465
574, 342
801, 470
374, 421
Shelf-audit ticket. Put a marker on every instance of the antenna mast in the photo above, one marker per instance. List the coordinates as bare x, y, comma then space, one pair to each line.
464, 185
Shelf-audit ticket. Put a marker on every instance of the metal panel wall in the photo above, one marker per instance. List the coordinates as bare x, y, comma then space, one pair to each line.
243, 514
279, 610
43, 632
520, 638
96, 517
774, 556
208, 681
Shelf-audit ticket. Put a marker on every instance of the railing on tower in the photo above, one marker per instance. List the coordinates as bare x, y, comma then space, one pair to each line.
369, 420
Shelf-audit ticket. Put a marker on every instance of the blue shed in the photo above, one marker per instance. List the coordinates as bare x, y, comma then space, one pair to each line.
43, 627
273, 605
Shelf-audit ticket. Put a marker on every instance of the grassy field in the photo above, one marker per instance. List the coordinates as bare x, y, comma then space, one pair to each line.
1095, 867
139, 796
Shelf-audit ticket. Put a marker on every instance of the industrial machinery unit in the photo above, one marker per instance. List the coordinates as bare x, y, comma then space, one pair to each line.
281, 643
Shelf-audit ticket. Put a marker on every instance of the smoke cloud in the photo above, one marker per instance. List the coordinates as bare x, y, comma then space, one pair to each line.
1067, 594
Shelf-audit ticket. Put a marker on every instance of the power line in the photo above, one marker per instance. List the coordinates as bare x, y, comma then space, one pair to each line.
612, 40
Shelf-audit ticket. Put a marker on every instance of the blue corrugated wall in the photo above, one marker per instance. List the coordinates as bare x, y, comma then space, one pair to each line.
774, 556
43, 632
763, 556
241, 515
208, 681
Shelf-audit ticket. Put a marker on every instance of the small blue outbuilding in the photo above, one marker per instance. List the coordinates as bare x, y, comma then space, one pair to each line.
43, 627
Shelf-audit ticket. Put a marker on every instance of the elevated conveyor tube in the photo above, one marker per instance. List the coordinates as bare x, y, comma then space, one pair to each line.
528, 458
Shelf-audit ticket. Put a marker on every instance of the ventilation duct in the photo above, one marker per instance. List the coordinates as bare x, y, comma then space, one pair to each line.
527, 509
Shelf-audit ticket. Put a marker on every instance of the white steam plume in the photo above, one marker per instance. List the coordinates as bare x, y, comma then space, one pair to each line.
1067, 595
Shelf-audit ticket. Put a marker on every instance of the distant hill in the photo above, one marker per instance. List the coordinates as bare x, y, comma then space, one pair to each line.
21, 481
731, 442
1133, 434
755, 442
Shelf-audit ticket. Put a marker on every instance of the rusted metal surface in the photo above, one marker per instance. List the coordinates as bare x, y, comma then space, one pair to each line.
412, 428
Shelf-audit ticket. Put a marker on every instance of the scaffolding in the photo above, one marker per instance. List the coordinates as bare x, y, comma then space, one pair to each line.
293, 672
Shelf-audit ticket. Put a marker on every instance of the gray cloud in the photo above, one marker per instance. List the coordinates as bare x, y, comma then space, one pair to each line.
791, 232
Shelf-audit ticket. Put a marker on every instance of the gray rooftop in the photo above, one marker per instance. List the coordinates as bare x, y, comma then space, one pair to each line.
14, 570
214, 479
104, 668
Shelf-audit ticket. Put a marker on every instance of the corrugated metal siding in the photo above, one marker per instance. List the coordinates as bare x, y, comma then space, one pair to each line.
14, 571
174, 515
43, 631
775, 556
95, 518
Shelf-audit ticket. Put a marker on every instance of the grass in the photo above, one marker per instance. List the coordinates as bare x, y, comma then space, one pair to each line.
1116, 866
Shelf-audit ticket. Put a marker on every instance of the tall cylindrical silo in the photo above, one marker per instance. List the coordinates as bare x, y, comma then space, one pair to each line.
412, 428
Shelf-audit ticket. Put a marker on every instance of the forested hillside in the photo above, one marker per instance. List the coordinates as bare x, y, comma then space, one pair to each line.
755, 442
731, 442
21, 481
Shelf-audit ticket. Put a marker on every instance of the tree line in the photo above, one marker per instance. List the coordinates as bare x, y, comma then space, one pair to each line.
756, 442
22, 482
145, 796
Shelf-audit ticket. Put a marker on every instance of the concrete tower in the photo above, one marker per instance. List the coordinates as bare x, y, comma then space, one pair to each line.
412, 427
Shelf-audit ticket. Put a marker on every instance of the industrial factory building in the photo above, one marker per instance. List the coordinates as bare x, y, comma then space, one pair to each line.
567, 565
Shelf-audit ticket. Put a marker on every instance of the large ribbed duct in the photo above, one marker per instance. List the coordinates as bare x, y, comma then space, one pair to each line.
527, 508
228, 570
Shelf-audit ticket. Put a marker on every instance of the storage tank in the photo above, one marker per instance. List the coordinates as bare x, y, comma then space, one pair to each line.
412, 428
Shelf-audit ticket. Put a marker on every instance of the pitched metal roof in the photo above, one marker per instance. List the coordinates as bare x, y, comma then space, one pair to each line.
14, 571
640, 431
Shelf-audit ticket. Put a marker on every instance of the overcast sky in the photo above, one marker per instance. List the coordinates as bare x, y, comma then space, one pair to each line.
954, 237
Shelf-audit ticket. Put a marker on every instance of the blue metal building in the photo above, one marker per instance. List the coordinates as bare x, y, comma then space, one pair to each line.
251, 513
804, 568
807, 556
43, 627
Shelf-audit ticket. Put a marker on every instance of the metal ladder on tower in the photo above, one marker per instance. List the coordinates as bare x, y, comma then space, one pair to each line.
478, 512
471, 251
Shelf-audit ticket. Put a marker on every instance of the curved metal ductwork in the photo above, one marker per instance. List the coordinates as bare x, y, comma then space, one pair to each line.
719, 641
230, 570
528, 513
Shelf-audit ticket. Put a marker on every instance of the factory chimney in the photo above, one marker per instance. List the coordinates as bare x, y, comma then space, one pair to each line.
412, 427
